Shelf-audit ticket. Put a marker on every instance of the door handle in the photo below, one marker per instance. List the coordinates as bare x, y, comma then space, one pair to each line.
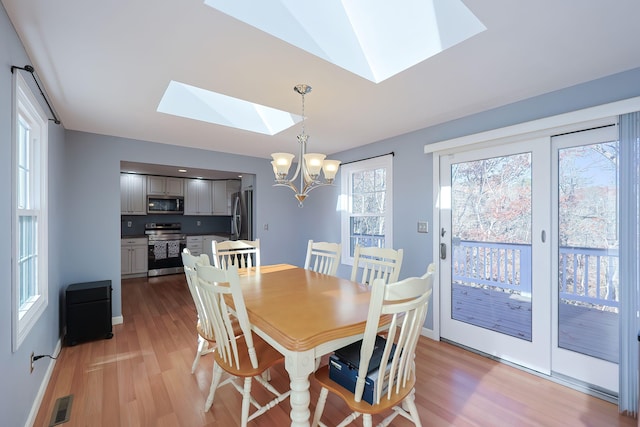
443, 251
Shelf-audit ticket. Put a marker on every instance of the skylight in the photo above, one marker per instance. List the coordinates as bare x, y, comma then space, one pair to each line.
183, 100
375, 39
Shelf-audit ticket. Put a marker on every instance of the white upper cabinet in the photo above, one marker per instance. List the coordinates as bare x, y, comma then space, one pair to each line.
219, 198
133, 194
198, 197
165, 186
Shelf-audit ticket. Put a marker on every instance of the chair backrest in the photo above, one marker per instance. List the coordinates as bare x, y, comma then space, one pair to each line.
376, 263
241, 253
213, 284
323, 257
190, 263
407, 303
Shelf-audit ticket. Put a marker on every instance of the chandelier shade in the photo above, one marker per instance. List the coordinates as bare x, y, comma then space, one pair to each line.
310, 165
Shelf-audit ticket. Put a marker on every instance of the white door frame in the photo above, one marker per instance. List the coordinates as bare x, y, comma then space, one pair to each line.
534, 354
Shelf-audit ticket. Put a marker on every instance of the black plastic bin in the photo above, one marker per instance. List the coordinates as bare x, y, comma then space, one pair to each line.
88, 311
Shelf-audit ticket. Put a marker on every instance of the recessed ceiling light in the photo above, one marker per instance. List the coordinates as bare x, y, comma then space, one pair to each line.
182, 170
375, 39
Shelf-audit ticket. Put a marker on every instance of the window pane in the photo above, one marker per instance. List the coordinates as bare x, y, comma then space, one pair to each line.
358, 182
381, 179
357, 204
23, 166
368, 231
28, 255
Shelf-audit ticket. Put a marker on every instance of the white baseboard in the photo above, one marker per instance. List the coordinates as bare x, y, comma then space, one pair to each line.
429, 334
117, 320
43, 387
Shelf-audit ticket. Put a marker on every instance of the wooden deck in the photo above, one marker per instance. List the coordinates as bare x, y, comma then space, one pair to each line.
586, 330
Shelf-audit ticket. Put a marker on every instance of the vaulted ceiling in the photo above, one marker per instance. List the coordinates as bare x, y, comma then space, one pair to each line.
105, 66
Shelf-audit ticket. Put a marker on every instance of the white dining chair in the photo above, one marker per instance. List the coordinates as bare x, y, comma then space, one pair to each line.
376, 263
407, 304
243, 355
323, 257
206, 338
241, 253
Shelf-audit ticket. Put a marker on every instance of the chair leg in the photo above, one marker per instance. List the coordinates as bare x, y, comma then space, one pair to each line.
367, 421
317, 414
202, 343
348, 420
215, 381
410, 405
278, 397
246, 402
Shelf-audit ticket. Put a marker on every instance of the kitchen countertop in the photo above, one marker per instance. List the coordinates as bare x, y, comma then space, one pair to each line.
208, 233
223, 234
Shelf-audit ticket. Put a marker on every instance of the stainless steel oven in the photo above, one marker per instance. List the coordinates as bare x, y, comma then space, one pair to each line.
166, 242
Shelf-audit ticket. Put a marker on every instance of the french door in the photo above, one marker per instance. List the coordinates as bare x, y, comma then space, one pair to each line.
528, 255
494, 252
585, 318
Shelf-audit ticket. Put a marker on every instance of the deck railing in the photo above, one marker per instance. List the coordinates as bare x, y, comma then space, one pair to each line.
586, 275
589, 275
506, 266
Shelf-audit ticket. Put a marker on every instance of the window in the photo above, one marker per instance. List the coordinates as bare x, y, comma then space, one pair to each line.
367, 211
29, 225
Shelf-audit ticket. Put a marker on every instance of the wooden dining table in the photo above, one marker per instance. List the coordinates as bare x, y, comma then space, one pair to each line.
304, 315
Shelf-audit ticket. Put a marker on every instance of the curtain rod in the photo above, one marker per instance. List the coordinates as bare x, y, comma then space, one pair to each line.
369, 158
31, 70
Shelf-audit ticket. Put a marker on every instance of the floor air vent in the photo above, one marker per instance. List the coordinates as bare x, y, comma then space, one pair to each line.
61, 411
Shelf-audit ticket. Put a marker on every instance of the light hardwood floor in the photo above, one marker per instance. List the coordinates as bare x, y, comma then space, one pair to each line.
142, 377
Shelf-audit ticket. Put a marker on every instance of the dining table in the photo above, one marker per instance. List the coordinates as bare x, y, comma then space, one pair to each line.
304, 315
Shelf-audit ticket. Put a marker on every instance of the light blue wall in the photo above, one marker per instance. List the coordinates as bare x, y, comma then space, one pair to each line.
18, 387
93, 202
85, 216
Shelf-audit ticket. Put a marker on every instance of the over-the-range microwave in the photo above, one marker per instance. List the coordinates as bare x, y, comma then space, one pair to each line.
165, 205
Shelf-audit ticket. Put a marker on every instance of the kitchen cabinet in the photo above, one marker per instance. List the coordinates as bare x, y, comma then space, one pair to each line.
165, 186
223, 196
207, 247
219, 192
133, 194
198, 197
134, 256
194, 244
203, 244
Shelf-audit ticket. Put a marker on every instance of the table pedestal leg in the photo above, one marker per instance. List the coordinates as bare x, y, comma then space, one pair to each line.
299, 366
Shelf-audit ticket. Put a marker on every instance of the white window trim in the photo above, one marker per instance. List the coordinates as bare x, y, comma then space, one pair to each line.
385, 161
24, 318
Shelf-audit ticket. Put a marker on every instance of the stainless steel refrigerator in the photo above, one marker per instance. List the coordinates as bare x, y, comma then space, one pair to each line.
242, 216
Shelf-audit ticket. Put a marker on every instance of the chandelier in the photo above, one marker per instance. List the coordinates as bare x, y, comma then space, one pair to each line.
309, 164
